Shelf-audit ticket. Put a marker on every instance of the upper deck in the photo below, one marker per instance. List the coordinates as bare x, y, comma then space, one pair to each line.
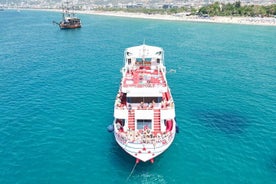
144, 67
143, 77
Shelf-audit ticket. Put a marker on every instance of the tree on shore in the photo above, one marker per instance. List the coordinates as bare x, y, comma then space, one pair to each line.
236, 9
215, 9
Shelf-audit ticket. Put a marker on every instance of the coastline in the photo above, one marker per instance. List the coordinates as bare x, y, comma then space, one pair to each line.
267, 21
258, 21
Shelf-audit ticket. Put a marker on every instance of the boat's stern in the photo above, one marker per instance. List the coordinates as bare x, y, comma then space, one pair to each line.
144, 145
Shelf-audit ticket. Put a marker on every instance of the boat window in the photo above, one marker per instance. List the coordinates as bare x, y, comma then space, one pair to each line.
139, 60
142, 123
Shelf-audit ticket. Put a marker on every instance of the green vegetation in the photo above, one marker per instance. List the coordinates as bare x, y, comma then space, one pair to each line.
236, 9
215, 9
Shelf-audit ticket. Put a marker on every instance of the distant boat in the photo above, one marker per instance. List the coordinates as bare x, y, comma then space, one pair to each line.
69, 19
144, 115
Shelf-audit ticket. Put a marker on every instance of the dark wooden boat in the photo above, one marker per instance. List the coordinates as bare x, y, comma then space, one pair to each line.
69, 19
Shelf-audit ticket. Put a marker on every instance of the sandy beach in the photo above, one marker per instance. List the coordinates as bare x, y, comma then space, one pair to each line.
265, 21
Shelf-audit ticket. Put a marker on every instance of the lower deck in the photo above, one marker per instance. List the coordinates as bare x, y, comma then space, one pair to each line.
144, 126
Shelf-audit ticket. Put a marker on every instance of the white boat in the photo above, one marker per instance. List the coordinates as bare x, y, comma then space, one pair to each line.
144, 112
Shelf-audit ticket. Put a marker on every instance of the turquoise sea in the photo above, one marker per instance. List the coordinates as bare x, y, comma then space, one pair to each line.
57, 90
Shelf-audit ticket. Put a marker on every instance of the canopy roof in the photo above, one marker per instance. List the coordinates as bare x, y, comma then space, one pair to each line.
144, 51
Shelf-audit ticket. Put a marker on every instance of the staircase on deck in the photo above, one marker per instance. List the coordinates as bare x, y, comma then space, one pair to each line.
131, 120
156, 125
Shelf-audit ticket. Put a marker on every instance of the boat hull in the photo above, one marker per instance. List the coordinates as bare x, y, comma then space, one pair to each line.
66, 26
143, 150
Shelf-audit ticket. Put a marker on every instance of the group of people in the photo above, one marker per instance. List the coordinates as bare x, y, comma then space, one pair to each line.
120, 100
145, 136
145, 106
165, 104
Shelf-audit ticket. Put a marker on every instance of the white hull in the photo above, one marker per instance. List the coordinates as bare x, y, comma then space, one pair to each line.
144, 114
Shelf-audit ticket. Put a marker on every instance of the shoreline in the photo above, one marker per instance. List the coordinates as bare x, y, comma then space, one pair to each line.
267, 21
256, 21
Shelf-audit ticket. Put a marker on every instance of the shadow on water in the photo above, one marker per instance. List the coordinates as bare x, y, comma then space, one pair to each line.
227, 122
70, 30
272, 164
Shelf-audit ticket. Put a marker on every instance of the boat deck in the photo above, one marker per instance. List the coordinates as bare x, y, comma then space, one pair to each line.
144, 77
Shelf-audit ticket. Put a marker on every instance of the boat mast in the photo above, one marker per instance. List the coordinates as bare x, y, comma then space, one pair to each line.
66, 9
73, 11
63, 12
143, 55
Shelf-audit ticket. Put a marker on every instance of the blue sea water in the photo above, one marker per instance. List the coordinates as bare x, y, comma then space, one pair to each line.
57, 90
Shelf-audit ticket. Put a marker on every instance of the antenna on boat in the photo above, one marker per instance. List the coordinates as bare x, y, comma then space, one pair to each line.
143, 56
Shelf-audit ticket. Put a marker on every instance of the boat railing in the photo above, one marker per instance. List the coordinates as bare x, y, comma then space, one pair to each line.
144, 84
137, 106
145, 137
147, 106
